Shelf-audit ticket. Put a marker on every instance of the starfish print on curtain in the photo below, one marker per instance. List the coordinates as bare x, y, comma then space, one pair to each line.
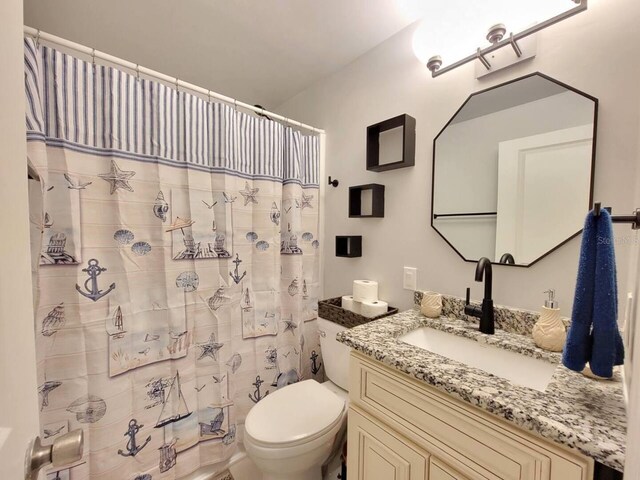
249, 194
306, 201
117, 178
210, 348
290, 326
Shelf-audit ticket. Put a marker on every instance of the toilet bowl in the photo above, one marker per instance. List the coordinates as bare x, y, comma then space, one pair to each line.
292, 432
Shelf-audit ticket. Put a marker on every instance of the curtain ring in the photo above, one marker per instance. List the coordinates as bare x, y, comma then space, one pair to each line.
93, 58
235, 104
177, 86
38, 39
138, 71
209, 95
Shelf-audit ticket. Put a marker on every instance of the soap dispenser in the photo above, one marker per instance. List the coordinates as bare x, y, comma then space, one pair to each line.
549, 332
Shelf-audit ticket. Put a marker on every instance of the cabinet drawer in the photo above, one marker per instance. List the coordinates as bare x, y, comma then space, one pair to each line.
467, 438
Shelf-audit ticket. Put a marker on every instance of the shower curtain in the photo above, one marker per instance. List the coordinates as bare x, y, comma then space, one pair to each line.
177, 274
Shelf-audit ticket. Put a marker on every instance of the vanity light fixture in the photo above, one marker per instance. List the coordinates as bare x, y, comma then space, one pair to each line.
434, 63
497, 36
496, 33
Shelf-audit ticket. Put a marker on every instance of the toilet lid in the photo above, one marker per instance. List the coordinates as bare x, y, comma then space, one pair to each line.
294, 413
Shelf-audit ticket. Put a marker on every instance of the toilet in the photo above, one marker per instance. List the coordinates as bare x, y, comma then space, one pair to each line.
292, 432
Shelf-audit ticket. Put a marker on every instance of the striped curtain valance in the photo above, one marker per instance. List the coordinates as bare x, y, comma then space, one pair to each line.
103, 110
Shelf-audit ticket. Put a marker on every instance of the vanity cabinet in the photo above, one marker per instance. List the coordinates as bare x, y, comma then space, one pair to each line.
403, 429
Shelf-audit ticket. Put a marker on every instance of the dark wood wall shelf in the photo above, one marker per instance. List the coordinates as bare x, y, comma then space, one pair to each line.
349, 246
408, 125
377, 201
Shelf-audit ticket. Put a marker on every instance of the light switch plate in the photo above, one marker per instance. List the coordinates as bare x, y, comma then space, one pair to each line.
410, 278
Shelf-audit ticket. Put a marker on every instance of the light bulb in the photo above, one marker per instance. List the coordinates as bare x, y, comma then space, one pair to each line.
519, 15
451, 36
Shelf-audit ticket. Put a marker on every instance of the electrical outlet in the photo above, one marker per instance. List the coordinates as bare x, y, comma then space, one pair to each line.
410, 278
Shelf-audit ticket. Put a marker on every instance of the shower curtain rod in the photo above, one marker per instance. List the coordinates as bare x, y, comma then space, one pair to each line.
96, 54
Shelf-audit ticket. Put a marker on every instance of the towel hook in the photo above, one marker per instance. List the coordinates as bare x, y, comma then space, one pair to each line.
597, 208
634, 219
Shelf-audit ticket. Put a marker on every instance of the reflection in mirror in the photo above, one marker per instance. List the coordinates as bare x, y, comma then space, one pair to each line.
512, 171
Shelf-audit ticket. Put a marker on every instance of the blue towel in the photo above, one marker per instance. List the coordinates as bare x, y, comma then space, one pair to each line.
593, 336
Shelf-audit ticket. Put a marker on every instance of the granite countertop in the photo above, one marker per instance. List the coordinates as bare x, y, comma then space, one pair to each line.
579, 412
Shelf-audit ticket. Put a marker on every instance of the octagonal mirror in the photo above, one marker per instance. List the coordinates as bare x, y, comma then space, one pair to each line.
513, 170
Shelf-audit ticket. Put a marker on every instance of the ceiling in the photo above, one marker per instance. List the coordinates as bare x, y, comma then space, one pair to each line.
258, 51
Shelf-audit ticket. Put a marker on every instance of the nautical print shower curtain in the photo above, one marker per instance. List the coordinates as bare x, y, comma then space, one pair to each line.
177, 277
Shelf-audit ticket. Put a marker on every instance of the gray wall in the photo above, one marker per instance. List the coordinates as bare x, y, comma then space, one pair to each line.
595, 52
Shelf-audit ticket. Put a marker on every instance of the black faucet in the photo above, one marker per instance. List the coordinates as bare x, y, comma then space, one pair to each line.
484, 313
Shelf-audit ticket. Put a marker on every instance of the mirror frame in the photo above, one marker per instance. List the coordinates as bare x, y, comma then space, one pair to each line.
589, 205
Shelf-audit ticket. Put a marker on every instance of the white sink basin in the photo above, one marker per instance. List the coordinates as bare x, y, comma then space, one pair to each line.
518, 369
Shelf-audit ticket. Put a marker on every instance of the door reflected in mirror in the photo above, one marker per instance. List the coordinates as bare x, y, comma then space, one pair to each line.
513, 170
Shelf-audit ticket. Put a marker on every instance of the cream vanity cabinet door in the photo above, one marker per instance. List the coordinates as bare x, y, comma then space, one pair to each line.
439, 470
380, 454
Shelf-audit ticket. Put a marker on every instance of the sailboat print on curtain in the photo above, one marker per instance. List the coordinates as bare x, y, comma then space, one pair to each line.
246, 303
174, 405
116, 329
174, 409
260, 314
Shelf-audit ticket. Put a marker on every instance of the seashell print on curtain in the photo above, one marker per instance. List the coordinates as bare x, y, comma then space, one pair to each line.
178, 276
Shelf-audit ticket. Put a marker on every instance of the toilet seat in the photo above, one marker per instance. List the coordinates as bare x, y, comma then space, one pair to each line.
295, 415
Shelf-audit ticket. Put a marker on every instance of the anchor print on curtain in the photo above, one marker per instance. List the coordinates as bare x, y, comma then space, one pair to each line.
178, 279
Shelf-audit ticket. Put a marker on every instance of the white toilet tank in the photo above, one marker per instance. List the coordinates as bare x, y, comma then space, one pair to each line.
335, 355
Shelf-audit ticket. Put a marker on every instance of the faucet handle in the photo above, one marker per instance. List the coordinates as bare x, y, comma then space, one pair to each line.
471, 310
